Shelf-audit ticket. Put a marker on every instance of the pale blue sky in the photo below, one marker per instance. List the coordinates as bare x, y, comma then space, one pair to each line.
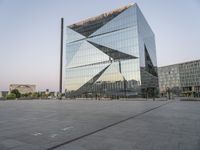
30, 34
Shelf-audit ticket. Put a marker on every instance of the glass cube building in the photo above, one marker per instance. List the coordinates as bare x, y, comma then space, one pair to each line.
111, 55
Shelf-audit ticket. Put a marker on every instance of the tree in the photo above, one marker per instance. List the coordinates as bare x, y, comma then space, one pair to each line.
35, 95
16, 92
44, 95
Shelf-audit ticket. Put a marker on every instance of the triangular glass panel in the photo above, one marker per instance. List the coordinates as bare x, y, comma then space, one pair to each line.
115, 54
88, 54
71, 50
88, 85
125, 19
112, 74
116, 41
111, 80
148, 63
77, 77
151, 47
143, 26
73, 35
131, 69
91, 25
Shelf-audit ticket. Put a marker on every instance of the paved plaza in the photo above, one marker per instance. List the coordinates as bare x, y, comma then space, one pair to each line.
99, 125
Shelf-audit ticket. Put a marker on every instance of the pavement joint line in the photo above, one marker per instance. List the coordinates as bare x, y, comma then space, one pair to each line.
106, 127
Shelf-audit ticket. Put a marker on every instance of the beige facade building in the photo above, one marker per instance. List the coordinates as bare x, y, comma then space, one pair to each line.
23, 88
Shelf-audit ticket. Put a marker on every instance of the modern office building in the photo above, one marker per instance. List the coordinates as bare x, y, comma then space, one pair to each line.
111, 55
23, 88
180, 79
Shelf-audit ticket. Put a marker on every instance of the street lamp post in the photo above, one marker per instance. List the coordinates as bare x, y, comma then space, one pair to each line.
61, 59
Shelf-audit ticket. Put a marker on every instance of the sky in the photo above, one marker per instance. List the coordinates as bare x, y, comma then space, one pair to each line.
30, 34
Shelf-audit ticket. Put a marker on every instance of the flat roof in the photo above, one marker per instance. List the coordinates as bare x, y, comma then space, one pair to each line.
191, 61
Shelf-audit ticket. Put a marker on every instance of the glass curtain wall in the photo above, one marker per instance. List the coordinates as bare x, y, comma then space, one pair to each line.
103, 56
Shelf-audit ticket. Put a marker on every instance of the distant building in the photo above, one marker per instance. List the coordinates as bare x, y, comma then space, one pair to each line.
181, 79
23, 88
53, 94
111, 55
3, 94
47, 92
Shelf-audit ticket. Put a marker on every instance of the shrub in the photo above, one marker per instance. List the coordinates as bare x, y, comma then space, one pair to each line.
35, 95
11, 96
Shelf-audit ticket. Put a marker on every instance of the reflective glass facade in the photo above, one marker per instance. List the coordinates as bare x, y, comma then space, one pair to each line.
111, 55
